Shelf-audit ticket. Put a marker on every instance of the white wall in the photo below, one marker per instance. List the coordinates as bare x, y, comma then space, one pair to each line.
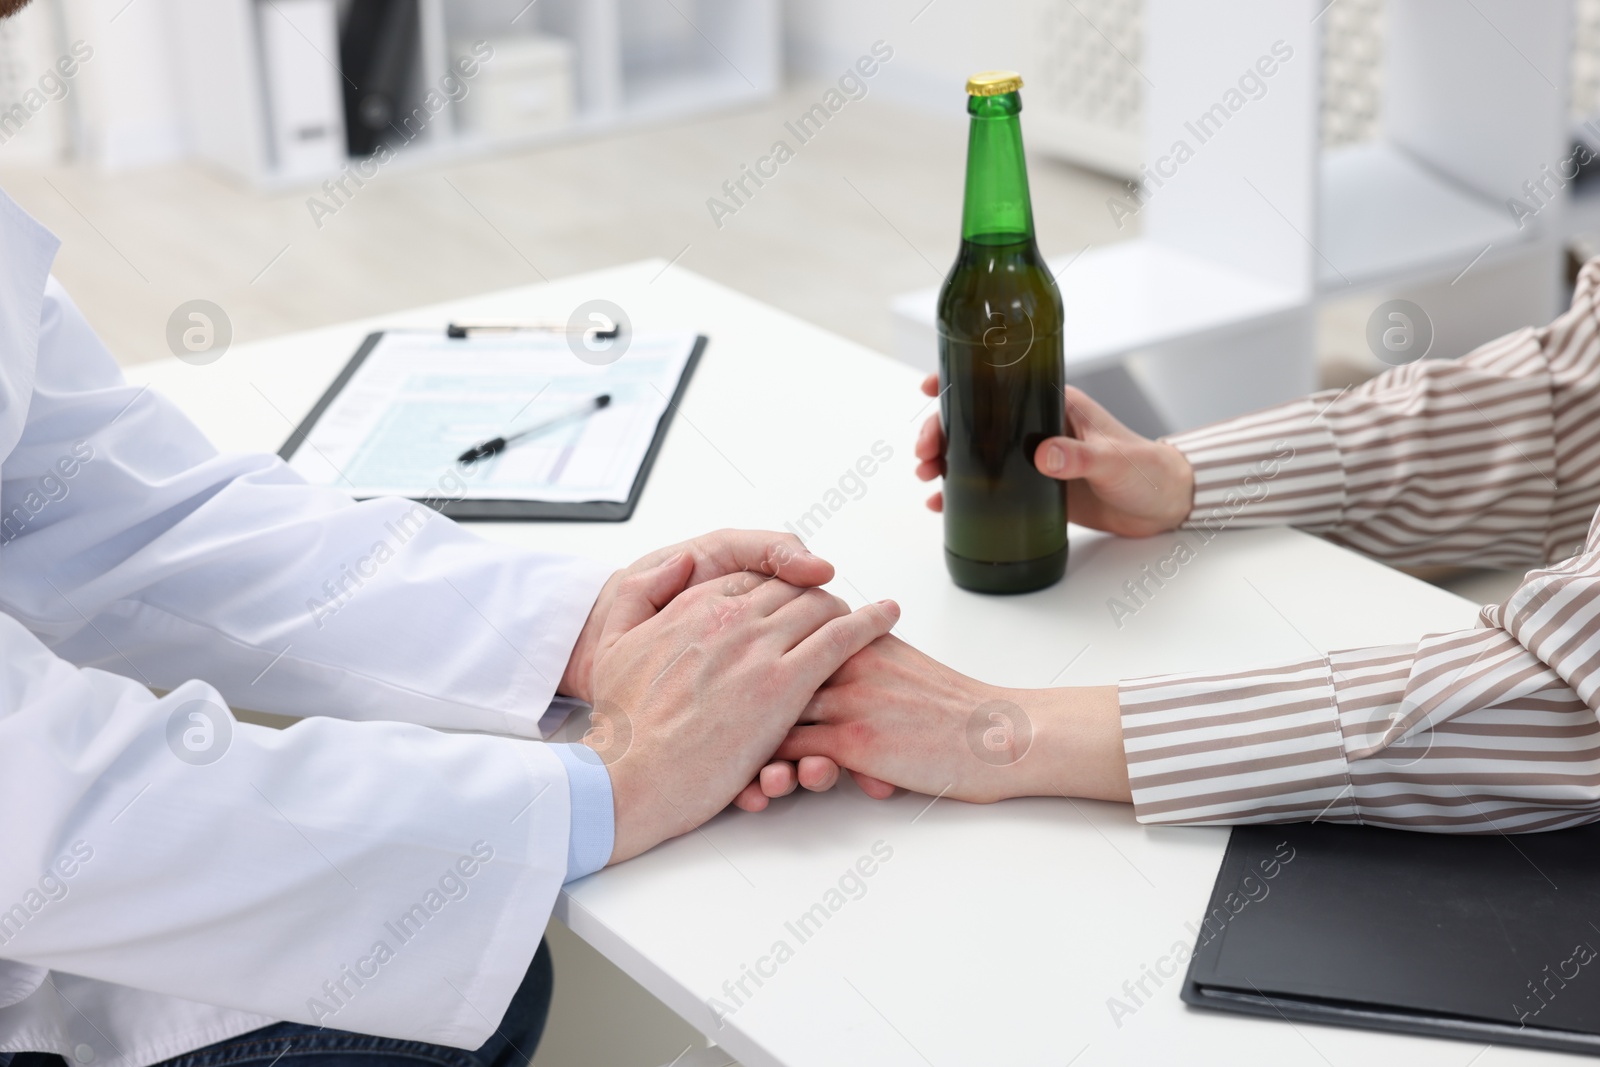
132, 113
934, 50
30, 47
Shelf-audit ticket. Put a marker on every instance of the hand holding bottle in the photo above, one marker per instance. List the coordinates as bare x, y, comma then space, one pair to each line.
1117, 481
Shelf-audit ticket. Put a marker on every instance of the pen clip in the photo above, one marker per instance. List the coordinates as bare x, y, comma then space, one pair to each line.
461, 331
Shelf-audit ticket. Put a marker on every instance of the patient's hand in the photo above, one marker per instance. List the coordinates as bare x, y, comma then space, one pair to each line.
1116, 480
900, 717
896, 717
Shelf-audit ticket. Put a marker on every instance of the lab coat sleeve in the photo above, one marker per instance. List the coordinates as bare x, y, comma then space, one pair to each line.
379, 877
130, 545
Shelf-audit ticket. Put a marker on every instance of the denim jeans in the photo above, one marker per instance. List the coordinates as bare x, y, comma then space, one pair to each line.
511, 1045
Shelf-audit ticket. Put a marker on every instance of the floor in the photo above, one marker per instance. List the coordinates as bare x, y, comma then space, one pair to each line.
868, 209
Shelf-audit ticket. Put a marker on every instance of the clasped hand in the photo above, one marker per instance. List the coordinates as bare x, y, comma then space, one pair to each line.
699, 659
723, 673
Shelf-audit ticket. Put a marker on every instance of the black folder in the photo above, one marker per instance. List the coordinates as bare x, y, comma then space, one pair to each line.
377, 50
1489, 938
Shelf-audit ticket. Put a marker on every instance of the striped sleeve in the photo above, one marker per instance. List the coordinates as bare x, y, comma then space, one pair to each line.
1492, 459
1478, 731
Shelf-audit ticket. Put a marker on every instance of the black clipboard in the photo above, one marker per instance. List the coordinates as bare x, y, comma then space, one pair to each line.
1480, 937
517, 510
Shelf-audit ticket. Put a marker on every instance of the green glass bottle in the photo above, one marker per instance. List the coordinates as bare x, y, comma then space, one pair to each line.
1000, 369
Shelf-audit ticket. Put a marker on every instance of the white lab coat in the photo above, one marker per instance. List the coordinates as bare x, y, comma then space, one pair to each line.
152, 903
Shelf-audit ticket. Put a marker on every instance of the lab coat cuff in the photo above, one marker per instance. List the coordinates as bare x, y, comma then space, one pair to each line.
556, 715
594, 824
555, 631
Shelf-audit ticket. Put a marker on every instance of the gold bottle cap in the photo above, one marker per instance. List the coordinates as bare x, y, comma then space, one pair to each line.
993, 83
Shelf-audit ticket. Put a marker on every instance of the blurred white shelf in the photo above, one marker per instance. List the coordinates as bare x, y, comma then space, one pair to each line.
633, 61
462, 145
671, 93
1384, 217
1119, 299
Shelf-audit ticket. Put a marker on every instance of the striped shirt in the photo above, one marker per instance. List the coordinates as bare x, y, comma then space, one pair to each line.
1490, 460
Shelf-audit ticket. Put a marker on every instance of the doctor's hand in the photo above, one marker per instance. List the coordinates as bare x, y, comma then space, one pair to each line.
713, 555
904, 719
699, 685
1116, 480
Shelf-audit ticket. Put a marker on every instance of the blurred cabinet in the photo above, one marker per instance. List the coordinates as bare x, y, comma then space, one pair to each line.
1085, 84
1254, 208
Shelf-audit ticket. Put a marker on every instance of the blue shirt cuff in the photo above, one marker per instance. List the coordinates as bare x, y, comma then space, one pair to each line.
594, 825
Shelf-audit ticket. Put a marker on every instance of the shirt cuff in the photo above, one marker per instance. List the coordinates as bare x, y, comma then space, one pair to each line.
594, 825
1253, 746
1272, 468
1333, 739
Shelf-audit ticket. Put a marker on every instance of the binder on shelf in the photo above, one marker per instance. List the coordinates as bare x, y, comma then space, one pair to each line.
305, 113
377, 52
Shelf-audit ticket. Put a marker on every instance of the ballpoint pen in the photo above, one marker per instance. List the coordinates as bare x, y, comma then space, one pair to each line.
499, 444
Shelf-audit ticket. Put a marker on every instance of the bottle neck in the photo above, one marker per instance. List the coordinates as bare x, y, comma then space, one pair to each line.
997, 209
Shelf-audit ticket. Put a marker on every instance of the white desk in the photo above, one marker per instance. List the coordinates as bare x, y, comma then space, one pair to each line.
994, 935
